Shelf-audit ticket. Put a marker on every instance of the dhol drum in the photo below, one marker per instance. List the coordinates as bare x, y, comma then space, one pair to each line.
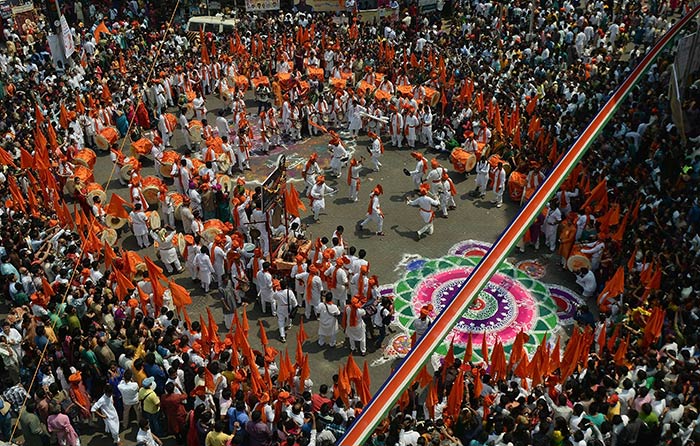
178, 200
169, 158
216, 144
114, 222
462, 161
95, 190
142, 147
225, 181
212, 228
179, 243
151, 189
109, 236
153, 220
223, 162
106, 137
196, 131
171, 120
577, 259
516, 184
86, 177
432, 96
127, 169
197, 166
85, 157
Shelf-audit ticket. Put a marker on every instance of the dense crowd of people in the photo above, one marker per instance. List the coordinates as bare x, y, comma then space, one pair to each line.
95, 331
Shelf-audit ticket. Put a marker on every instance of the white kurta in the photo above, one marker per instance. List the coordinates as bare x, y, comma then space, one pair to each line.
338, 153
168, 253
106, 406
204, 268
318, 194
139, 222
327, 319
355, 333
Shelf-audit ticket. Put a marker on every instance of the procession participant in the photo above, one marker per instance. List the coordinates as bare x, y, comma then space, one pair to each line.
551, 224
313, 287
192, 248
320, 115
354, 169
166, 129
181, 176
167, 249
595, 249
218, 258
426, 122
203, 267
139, 226
317, 196
185, 128
356, 118
264, 284
310, 172
187, 216
396, 125
238, 277
338, 154
411, 126
200, 109
376, 150
285, 302
243, 149
422, 323
482, 178
374, 211
447, 193
259, 221
585, 223
298, 268
425, 204
532, 181
420, 170
354, 324
499, 184
98, 210
328, 314
434, 177
337, 279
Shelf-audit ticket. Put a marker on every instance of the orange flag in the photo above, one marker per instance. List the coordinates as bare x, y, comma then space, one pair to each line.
292, 202
601, 338
79, 107
213, 327
364, 392
302, 333
431, 400
46, 287
143, 300
424, 378
155, 273
484, 349
63, 118
6, 158
51, 132
204, 340
263, 334
599, 194
498, 361
617, 236
478, 384
654, 325
123, 285
26, 159
456, 396
244, 322
101, 29
181, 297
613, 338
116, 205
352, 371
469, 351
530, 107
109, 254
554, 359
209, 380
186, 316
621, 351
38, 115
613, 287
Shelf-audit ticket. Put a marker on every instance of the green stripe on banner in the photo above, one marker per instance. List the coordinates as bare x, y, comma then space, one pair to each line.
359, 432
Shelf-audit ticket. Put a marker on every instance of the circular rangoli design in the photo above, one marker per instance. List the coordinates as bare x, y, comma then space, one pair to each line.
469, 248
511, 301
533, 268
567, 302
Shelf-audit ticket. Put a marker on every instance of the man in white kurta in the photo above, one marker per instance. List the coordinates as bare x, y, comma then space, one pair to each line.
499, 184
355, 329
139, 224
313, 286
374, 211
104, 408
310, 172
218, 258
375, 150
425, 205
265, 288
482, 177
411, 127
426, 135
396, 127
167, 250
286, 301
354, 170
551, 224
328, 314
204, 268
338, 154
420, 170
434, 177
338, 282
318, 196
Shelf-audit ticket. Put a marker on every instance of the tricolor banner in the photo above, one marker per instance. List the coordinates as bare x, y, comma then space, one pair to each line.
391, 390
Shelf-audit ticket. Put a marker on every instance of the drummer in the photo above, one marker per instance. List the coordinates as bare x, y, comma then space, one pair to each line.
97, 209
167, 249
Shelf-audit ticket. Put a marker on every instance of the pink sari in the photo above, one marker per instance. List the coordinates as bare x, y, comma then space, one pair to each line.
60, 425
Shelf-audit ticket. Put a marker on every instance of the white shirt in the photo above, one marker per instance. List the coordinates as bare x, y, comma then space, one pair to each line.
129, 391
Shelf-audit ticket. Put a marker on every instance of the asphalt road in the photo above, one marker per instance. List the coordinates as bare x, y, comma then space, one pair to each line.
473, 219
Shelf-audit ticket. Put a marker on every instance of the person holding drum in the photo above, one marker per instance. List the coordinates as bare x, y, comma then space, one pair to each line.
551, 225
167, 249
338, 154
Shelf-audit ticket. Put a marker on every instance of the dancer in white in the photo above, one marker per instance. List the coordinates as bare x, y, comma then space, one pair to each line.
425, 204
374, 210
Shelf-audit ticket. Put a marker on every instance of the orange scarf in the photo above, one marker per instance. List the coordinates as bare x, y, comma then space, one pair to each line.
309, 283
80, 396
371, 201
